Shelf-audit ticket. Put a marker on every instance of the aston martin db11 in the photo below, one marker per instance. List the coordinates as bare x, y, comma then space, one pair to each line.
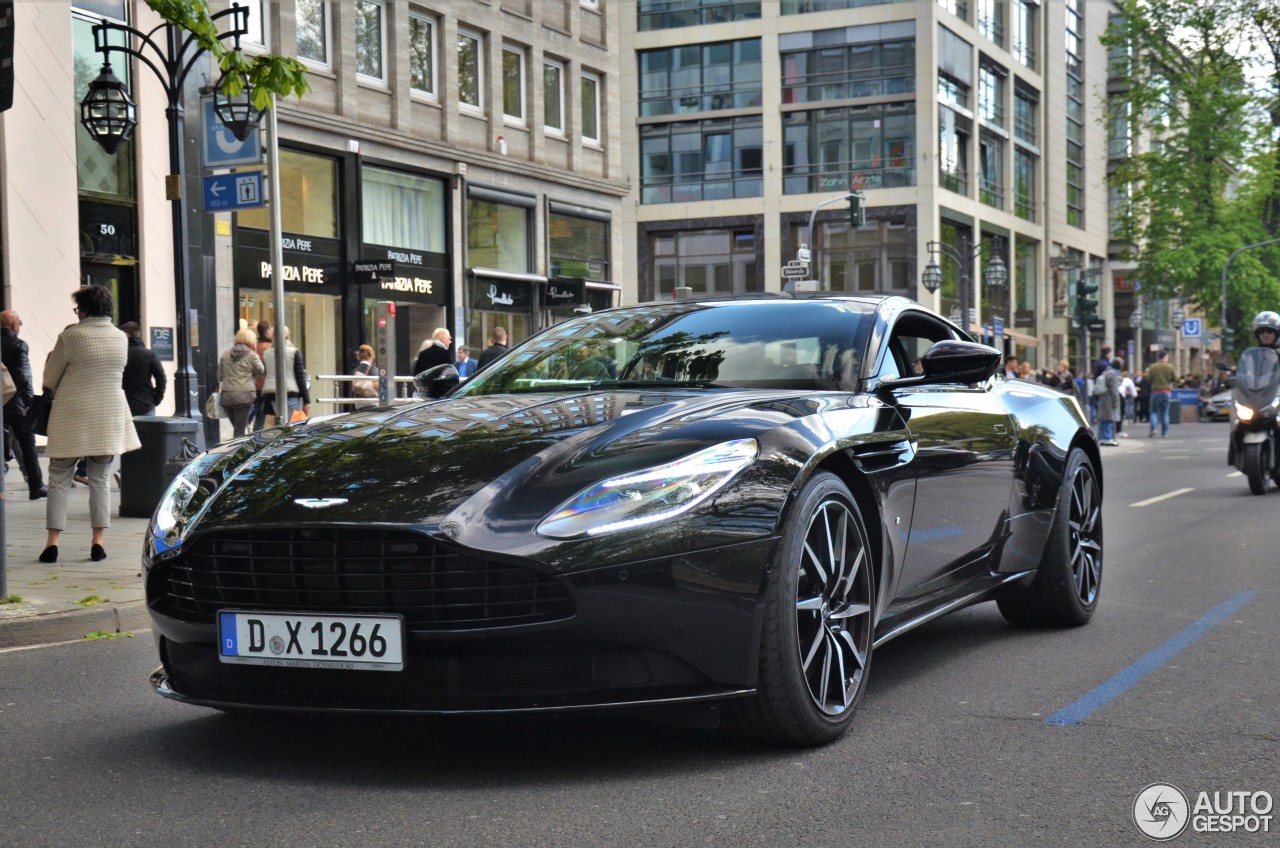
728, 502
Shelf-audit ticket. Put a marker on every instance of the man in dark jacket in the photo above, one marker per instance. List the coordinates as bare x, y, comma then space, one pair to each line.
144, 380
495, 350
14, 354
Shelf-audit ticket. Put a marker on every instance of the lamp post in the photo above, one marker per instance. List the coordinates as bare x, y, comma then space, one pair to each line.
109, 115
996, 274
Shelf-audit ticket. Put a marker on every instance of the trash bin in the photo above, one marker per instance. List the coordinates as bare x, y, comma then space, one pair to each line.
1175, 412
145, 473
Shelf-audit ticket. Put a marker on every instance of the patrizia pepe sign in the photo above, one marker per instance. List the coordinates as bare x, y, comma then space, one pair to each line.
309, 263
403, 275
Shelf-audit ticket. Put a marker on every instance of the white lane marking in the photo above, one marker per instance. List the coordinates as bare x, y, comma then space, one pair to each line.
1164, 497
1236, 474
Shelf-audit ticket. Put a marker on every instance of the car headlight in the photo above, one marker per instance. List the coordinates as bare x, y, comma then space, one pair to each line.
654, 494
173, 516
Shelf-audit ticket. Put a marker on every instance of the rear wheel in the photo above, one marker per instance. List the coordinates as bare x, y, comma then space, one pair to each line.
1254, 470
1064, 592
816, 647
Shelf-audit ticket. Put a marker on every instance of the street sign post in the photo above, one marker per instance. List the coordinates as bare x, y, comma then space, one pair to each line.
795, 270
229, 192
999, 327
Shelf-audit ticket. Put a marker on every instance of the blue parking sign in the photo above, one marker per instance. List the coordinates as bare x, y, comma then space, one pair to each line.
221, 149
1191, 328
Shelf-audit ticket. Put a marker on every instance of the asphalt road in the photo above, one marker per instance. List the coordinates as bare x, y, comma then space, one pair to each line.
953, 745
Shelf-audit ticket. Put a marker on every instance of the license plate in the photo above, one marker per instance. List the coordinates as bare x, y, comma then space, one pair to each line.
355, 642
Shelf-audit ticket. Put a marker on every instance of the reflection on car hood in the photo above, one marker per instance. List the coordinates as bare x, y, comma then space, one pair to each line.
415, 466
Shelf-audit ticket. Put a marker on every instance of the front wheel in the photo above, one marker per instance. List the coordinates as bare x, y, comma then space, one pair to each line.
1064, 592
1254, 470
816, 647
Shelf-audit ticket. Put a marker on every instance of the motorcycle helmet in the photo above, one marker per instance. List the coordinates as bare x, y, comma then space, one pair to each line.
1266, 320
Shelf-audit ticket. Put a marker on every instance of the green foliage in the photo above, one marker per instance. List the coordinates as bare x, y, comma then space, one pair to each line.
92, 600
94, 635
1203, 176
266, 74
11, 599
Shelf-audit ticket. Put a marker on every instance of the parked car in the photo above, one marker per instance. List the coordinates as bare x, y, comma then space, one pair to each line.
729, 501
1217, 407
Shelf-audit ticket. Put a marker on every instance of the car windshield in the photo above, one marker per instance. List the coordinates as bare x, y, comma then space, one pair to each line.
1259, 367
780, 344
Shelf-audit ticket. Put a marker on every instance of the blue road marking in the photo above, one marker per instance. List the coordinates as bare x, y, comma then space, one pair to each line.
1104, 694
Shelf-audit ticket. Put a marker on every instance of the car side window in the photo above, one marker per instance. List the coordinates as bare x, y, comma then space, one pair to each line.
912, 336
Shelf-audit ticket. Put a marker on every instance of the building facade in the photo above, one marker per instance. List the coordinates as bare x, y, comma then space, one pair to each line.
466, 152
966, 123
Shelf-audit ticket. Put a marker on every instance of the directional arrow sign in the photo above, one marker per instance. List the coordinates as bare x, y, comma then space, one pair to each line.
228, 192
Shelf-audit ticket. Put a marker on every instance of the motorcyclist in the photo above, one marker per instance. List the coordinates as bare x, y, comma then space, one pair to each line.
1266, 329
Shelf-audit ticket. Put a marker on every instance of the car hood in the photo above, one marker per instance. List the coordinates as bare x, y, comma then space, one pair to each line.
519, 456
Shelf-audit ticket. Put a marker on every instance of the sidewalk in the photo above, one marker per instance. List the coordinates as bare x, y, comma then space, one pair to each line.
75, 596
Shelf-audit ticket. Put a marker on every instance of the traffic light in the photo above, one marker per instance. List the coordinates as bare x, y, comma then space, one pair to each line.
1086, 306
1228, 338
856, 216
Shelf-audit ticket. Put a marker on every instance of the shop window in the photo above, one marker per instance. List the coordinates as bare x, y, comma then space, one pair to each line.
497, 236
721, 261
578, 247
309, 191
402, 210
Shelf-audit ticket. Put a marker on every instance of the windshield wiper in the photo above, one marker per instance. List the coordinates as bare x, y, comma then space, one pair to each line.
658, 384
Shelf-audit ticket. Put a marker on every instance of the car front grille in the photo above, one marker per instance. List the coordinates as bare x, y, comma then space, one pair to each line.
354, 571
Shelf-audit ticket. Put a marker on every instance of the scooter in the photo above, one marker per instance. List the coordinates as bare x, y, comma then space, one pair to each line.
1255, 432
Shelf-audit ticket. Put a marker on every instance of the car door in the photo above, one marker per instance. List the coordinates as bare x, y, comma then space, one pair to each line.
964, 455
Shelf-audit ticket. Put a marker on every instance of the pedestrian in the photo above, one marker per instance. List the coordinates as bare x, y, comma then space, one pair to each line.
16, 357
1100, 365
238, 367
144, 378
297, 381
1128, 394
1109, 408
1143, 400
466, 365
1011, 368
434, 351
90, 415
496, 349
367, 385
1162, 378
265, 334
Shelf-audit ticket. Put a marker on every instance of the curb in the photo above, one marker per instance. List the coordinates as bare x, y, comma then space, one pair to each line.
72, 625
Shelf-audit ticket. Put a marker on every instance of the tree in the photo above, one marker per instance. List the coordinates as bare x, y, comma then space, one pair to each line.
266, 74
1203, 176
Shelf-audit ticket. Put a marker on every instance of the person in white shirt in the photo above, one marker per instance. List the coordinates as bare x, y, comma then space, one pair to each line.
1128, 395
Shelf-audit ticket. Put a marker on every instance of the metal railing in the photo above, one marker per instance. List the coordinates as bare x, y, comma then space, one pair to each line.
403, 391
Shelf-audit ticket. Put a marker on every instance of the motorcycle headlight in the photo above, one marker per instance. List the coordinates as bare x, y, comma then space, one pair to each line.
1243, 412
651, 495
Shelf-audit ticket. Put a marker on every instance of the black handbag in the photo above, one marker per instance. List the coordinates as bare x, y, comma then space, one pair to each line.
38, 414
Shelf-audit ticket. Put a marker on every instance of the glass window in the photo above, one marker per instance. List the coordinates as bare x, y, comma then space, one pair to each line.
700, 77
370, 38
498, 236
665, 14
959, 8
1024, 32
870, 258
991, 165
953, 150
1027, 283
402, 210
309, 189
422, 54
578, 247
312, 18
591, 108
952, 91
991, 20
707, 261
1024, 184
991, 94
96, 170
553, 97
470, 70
855, 69
701, 160
256, 22
513, 83
1024, 117
850, 148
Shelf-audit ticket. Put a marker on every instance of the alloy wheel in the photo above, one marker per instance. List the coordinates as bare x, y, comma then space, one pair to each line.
1086, 535
833, 607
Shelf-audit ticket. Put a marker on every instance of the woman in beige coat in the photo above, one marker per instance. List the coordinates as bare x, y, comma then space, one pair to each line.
237, 369
90, 415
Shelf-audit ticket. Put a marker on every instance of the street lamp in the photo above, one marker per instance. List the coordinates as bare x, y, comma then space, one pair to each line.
109, 115
996, 274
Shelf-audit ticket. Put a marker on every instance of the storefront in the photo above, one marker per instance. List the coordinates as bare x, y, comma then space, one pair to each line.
501, 299
314, 282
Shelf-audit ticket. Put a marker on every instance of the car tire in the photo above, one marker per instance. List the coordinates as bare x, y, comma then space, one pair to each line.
1066, 586
1254, 470
815, 651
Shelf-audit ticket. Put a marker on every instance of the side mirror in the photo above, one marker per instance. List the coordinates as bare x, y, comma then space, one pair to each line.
1221, 366
436, 382
951, 361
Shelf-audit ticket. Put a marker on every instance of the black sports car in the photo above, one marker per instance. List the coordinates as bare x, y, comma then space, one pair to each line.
730, 501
